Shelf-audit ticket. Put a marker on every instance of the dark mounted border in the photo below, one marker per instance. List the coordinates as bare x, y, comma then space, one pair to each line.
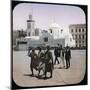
85, 79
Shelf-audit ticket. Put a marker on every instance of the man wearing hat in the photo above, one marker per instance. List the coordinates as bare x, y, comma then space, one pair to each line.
48, 62
33, 63
67, 56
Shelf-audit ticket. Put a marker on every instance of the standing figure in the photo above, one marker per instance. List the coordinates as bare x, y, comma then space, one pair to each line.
29, 49
48, 62
59, 50
33, 64
40, 53
41, 65
57, 54
62, 56
67, 56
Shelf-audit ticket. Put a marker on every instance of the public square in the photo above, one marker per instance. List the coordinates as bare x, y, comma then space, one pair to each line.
73, 75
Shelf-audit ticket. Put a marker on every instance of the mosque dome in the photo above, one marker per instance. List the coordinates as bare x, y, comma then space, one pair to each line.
54, 25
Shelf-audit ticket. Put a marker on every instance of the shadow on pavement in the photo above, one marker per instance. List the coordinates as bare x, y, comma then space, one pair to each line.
30, 75
38, 77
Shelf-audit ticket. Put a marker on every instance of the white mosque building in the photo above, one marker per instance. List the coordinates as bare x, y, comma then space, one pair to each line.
53, 36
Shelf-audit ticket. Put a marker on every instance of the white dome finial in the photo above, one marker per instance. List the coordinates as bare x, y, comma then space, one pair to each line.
54, 25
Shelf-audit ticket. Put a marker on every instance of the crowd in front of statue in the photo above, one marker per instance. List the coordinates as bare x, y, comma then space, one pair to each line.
44, 61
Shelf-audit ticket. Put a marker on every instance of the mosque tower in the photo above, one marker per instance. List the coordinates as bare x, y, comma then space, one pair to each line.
30, 26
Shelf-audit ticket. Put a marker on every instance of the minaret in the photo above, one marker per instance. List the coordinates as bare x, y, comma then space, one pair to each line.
30, 26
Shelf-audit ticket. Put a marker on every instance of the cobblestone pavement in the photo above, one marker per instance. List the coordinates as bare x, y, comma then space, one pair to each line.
73, 75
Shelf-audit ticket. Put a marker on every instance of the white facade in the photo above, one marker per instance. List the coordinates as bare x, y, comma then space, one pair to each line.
54, 30
44, 39
53, 36
60, 34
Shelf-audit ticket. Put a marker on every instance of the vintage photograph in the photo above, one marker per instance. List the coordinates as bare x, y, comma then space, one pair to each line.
49, 44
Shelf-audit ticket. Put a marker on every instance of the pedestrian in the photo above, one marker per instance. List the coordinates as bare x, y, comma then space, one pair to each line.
29, 49
48, 62
59, 50
40, 53
41, 65
33, 63
67, 56
62, 56
57, 54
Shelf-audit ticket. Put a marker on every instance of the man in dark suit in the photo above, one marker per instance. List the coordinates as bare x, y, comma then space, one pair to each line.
33, 64
48, 62
41, 65
57, 52
67, 56
56, 55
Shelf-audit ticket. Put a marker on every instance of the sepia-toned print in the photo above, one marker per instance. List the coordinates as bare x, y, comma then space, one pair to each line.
49, 44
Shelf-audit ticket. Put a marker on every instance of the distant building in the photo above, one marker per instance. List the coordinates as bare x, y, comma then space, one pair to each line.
53, 36
78, 32
59, 33
44, 39
18, 34
37, 37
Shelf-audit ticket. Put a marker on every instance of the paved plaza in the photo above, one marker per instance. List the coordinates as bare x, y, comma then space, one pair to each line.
73, 75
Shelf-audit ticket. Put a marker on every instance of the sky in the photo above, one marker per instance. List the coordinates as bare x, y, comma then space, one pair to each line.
46, 14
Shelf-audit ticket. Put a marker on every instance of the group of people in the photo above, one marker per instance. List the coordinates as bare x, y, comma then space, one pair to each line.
64, 54
43, 60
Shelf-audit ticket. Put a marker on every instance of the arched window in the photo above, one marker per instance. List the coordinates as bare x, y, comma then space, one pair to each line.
61, 30
76, 36
83, 36
76, 30
70, 39
83, 30
50, 30
79, 36
72, 30
29, 34
45, 39
79, 30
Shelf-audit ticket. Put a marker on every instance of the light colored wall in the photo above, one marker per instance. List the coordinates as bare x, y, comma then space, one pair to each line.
79, 26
